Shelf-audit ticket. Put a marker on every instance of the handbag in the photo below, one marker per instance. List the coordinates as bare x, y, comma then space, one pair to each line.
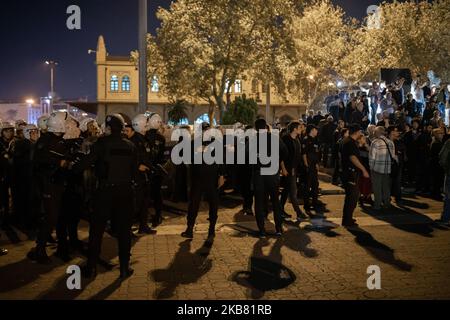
395, 167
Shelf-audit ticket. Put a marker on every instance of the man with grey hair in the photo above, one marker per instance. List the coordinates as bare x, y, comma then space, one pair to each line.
381, 155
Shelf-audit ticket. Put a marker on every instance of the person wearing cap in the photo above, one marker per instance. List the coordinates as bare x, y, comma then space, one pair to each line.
49, 163
206, 179
352, 168
157, 148
116, 165
311, 159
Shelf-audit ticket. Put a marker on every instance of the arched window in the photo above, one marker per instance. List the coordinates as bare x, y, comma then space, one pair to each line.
126, 83
114, 83
154, 85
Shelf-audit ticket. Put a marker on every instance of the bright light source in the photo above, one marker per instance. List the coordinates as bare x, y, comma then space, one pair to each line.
339, 84
331, 84
29, 101
46, 62
311, 77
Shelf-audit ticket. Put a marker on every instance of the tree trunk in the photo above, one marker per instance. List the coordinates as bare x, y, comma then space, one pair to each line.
211, 112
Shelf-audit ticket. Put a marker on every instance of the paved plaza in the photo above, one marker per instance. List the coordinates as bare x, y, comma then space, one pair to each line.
317, 259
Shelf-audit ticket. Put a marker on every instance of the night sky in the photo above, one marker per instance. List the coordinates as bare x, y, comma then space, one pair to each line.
34, 31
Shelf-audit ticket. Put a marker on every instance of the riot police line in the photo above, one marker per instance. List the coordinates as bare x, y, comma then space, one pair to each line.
64, 170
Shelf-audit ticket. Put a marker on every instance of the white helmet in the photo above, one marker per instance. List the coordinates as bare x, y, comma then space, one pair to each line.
57, 122
72, 130
238, 125
27, 131
84, 123
141, 123
20, 124
7, 125
154, 120
42, 121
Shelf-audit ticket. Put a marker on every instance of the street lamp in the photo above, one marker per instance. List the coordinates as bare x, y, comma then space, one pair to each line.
52, 65
29, 101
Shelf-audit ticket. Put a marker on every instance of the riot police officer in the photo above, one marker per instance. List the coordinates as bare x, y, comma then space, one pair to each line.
206, 179
49, 163
23, 153
69, 215
7, 135
311, 158
6, 167
157, 146
139, 127
115, 160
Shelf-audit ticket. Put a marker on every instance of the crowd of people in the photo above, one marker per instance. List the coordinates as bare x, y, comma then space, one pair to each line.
64, 170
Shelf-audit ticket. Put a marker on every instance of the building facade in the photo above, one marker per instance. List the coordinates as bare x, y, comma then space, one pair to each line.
118, 92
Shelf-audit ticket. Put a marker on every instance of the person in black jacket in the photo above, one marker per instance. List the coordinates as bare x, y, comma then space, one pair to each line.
138, 129
6, 167
311, 158
437, 173
157, 147
206, 179
291, 164
326, 137
49, 164
6, 157
116, 166
266, 184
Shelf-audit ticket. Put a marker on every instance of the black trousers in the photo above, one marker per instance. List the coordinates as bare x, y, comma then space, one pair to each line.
210, 191
68, 218
267, 186
290, 190
5, 209
48, 217
245, 185
141, 196
156, 195
351, 196
312, 187
115, 203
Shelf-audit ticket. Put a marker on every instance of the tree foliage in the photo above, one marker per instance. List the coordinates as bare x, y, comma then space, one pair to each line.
300, 47
242, 110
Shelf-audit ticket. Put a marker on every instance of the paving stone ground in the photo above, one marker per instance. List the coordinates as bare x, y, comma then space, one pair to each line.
314, 260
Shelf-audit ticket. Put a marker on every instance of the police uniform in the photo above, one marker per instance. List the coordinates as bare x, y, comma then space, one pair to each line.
157, 147
72, 199
142, 181
6, 161
204, 181
23, 204
311, 148
49, 152
115, 161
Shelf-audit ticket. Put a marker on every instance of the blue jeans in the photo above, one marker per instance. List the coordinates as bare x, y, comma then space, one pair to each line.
446, 212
